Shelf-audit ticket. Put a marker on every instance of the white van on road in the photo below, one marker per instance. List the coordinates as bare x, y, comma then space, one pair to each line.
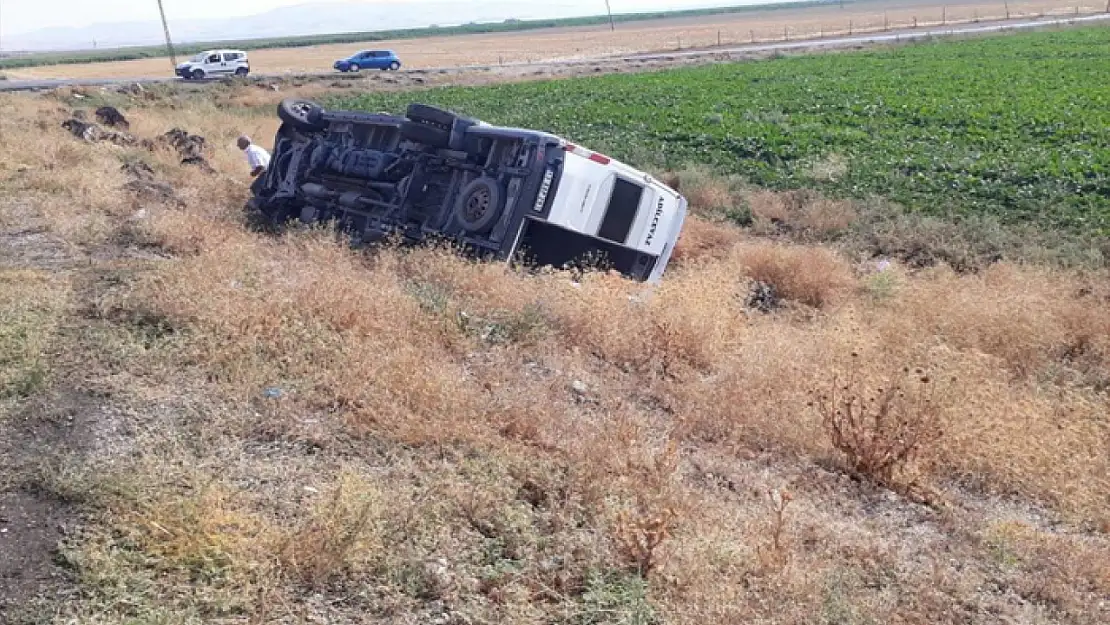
214, 64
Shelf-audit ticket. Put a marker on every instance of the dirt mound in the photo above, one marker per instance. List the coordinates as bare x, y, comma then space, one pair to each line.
191, 147
146, 187
110, 116
93, 133
763, 297
133, 89
138, 170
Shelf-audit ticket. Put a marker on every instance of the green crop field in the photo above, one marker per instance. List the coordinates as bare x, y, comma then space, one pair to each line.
1017, 126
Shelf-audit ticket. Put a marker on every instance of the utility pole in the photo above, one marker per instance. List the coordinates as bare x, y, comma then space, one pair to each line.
169, 42
608, 8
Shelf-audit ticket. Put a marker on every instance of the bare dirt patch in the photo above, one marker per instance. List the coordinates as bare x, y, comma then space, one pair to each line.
47, 434
30, 529
49, 443
33, 246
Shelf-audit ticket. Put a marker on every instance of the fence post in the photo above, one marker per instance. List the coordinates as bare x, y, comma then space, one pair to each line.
785, 33
1007, 5
718, 39
944, 16
915, 21
886, 25
849, 28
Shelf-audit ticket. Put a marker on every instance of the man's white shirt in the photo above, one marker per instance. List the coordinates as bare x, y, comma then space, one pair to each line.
257, 157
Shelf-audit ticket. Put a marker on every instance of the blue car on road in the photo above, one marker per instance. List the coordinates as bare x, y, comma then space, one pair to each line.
369, 59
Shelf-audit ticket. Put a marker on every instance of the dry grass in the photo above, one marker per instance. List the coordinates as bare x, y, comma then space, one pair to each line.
704, 240
341, 533
1037, 322
812, 276
412, 437
31, 305
804, 213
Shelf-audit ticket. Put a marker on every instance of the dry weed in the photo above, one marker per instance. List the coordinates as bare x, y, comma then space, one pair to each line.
1037, 322
641, 530
812, 276
707, 193
804, 214
829, 168
880, 429
773, 554
826, 218
1056, 570
704, 241
342, 531
206, 533
754, 397
769, 207
640, 535
350, 342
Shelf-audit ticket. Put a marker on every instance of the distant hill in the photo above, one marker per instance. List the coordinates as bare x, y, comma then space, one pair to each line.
318, 18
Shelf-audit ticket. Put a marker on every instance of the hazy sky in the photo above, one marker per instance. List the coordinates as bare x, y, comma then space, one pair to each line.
21, 16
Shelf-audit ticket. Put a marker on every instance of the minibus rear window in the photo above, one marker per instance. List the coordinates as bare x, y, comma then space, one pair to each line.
621, 212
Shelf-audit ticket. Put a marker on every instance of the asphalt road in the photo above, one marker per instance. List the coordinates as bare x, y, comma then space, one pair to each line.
895, 36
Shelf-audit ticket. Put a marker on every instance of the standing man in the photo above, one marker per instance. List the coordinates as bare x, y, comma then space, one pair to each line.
257, 157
